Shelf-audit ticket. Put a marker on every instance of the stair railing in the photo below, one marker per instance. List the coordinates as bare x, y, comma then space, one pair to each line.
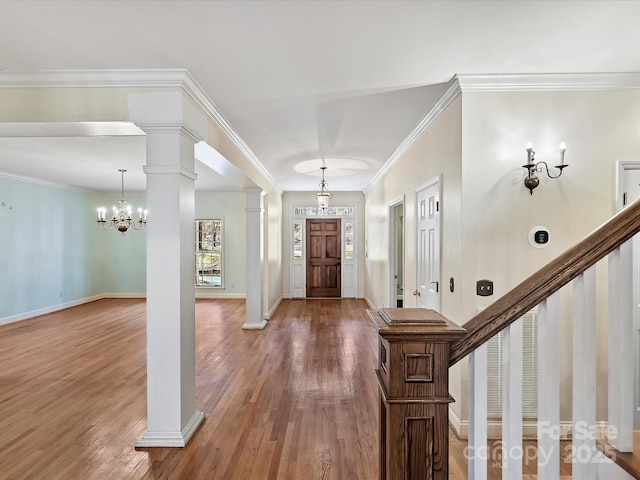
577, 265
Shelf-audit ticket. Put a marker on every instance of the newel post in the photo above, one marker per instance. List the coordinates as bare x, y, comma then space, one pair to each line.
413, 374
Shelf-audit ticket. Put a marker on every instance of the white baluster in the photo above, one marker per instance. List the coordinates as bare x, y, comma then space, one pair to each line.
549, 389
512, 401
621, 351
478, 450
584, 374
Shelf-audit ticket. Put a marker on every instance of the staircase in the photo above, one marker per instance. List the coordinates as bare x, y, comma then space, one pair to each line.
601, 450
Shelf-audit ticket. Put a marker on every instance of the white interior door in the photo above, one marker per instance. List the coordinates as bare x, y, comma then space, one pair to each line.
428, 221
630, 192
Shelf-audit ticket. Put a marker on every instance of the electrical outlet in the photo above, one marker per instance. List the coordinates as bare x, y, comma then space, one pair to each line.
484, 288
233, 285
60, 294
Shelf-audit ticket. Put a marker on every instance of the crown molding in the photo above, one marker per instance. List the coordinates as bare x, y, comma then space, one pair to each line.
452, 91
139, 78
93, 78
46, 183
549, 81
510, 83
197, 94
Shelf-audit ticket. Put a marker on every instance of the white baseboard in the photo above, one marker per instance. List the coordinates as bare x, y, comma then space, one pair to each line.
255, 326
50, 309
369, 302
124, 295
214, 294
171, 439
494, 427
270, 313
456, 423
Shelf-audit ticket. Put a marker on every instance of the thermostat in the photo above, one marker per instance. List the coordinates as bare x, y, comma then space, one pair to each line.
539, 237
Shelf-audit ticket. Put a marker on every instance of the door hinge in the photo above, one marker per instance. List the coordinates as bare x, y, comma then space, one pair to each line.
437, 206
624, 199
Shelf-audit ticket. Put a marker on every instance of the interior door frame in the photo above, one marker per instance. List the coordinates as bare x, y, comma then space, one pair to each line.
393, 249
621, 168
437, 180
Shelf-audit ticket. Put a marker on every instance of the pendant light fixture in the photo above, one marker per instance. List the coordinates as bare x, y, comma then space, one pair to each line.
323, 195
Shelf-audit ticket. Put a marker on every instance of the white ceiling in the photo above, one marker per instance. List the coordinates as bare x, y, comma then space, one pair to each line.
299, 81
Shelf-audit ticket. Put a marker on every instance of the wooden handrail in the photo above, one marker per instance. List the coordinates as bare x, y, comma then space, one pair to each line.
546, 281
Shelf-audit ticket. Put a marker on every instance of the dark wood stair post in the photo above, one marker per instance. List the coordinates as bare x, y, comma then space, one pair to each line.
413, 375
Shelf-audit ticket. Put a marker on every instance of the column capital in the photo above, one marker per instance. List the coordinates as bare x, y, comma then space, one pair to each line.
162, 170
167, 112
171, 128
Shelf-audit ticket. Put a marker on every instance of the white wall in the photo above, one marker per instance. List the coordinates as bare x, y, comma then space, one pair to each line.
599, 127
478, 144
273, 251
437, 151
289, 199
230, 207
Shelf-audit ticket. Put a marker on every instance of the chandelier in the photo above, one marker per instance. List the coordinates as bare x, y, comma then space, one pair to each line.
323, 195
121, 219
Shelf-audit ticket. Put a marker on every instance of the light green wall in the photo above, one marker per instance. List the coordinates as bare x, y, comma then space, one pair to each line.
123, 258
86, 104
49, 248
53, 255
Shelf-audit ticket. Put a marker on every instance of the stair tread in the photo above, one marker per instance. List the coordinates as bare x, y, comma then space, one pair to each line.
629, 461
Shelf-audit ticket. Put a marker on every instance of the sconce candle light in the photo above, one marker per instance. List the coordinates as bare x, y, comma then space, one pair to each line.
531, 181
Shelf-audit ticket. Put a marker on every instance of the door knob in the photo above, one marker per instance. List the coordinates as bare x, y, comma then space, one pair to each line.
416, 293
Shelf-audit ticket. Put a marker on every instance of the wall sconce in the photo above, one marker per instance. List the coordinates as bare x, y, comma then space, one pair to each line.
5, 208
532, 181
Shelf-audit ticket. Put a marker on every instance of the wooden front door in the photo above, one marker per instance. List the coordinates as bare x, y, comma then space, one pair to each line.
323, 257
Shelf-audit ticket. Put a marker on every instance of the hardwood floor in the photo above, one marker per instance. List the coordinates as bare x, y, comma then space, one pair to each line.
298, 400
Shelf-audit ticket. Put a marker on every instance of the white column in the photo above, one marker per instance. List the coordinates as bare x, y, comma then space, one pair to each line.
549, 388
171, 415
478, 452
621, 352
512, 401
254, 208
